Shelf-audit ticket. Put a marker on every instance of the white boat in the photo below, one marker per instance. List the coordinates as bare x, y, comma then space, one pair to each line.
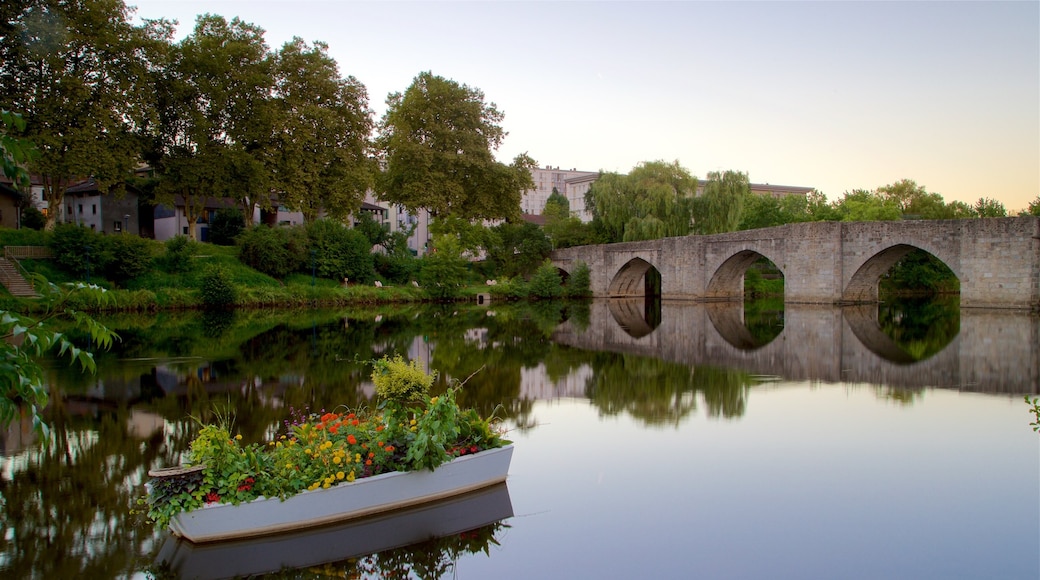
346, 501
246, 558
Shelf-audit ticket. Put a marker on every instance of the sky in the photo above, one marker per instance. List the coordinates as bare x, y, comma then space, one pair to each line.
832, 95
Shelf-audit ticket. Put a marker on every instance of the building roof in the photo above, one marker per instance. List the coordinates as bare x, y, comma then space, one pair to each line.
536, 219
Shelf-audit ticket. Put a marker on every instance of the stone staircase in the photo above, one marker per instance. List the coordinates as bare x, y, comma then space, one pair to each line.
13, 280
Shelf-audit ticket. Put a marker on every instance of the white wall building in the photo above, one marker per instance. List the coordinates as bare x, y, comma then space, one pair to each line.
570, 183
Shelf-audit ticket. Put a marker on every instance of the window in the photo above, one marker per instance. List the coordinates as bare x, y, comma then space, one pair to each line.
93, 208
81, 209
185, 232
118, 226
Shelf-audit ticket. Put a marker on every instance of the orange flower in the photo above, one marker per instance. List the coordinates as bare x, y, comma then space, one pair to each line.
351, 439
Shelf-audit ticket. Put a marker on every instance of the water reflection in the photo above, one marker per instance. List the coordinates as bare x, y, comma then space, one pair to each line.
424, 541
73, 496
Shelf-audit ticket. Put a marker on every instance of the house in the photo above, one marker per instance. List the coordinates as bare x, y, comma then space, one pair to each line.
108, 213
10, 204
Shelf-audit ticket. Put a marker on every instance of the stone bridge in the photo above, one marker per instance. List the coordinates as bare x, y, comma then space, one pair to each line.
994, 351
997, 261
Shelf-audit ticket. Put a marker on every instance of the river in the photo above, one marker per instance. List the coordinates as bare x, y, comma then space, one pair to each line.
652, 440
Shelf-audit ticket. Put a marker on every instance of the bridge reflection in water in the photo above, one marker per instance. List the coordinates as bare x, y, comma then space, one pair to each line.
994, 351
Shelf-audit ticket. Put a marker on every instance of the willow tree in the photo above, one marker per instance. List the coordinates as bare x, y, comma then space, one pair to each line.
214, 118
438, 140
655, 200
722, 203
72, 68
321, 155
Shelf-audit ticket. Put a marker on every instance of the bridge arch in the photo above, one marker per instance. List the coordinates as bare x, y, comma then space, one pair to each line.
727, 282
636, 277
863, 285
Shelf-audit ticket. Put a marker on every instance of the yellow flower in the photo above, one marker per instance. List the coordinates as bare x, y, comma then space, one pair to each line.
337, 460
412, 422
288, 465
340, 475
350, 476
326, 486
433, 401
238, 437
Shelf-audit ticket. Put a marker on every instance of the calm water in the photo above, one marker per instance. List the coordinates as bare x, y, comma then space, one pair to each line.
651, 441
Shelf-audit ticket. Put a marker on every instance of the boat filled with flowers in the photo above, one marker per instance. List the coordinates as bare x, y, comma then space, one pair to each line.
330, 467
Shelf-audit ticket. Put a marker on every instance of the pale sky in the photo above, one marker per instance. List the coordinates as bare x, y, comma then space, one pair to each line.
832, 95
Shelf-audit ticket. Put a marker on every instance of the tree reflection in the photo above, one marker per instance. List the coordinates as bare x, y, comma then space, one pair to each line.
921, 326
660, 392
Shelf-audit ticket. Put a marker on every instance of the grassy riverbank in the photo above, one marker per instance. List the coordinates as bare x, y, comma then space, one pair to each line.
163, 285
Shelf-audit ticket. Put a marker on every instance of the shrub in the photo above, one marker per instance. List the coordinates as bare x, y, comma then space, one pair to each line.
179, 252
546, 282
128, 257
398, 380
77, 249
443, 272
33, 219
339, 252
226, 225
579, 285
217, 289
274, 251
395, 268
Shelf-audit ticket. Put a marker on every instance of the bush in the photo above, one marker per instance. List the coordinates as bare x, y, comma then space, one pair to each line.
77, 249
217, 289
443, 272
546, 282
276, 252
339, 252
33, 219
179, 252
128, 257
397, 380
579, 285
226, 225
396, 269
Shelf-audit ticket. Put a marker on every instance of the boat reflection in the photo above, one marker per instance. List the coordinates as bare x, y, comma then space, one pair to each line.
433, 534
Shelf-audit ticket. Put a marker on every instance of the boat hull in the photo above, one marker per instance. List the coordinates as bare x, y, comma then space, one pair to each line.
346, 501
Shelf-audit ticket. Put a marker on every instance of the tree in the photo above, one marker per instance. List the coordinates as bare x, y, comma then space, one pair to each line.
564, 230
861, 205
214, 116
437, 140
16, 151
722, 204
517, 249
655, 200
986, 208
321, 155
1033, 209
73, 68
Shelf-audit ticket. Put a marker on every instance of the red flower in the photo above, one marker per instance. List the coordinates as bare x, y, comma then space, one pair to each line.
351, 439
212, 497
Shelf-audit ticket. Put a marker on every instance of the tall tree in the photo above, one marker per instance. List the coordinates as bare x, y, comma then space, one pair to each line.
321, 155
437, 140
214, 117
655, 200
723, 202
986, 207
73, 69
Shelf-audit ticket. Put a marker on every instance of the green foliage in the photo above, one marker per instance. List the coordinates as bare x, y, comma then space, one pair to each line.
919, 272
546, 283
225, 226
443, 271
15, 152
579, 284
339, 252
180, 251
273, 251
1034, 408
77, 248
27, 338
655, 200
987, 208
399, 380
516, 249
1033, 209
438, 138
217, 289
865, 206
127, 257
719, 209
33, 218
